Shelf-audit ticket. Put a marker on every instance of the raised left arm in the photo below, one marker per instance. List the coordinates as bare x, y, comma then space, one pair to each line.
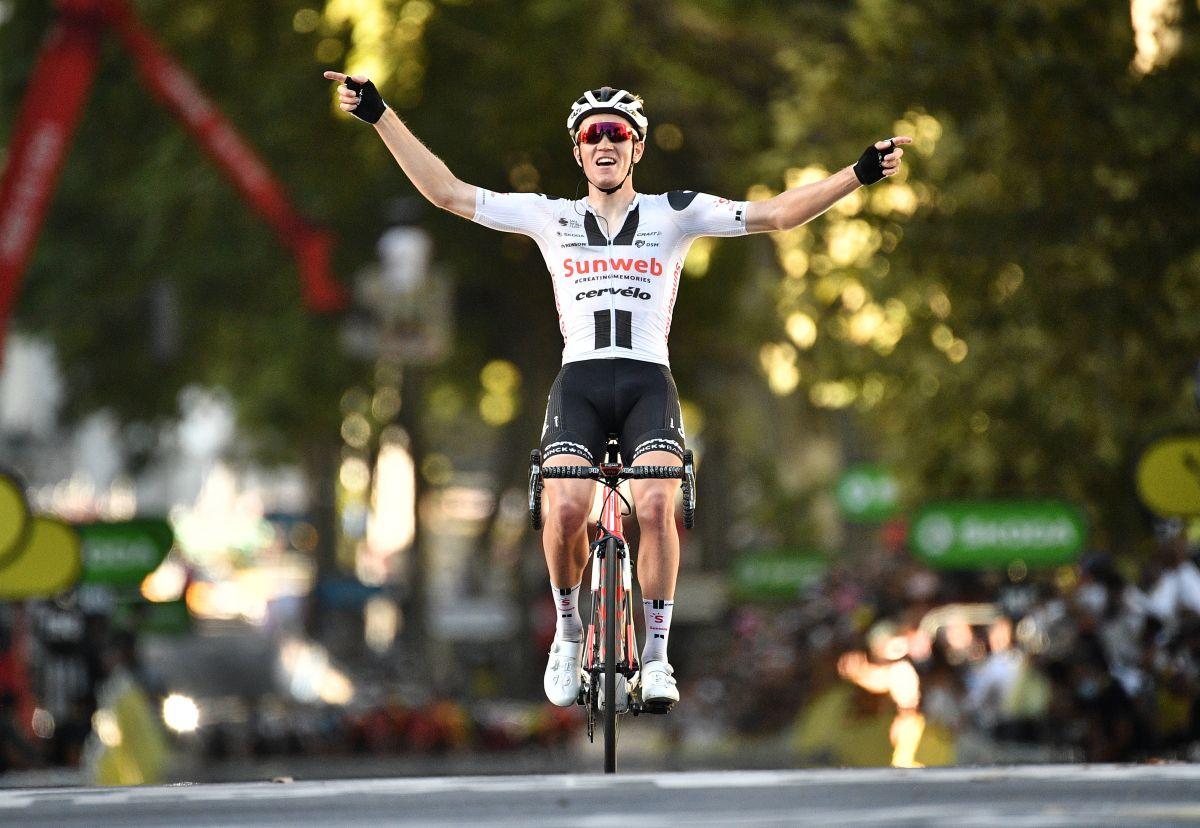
794, 207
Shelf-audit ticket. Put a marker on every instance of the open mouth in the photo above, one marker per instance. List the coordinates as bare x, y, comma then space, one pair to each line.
606, 161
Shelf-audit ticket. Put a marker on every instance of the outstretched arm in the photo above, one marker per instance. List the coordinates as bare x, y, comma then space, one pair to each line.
794, 207
426, 171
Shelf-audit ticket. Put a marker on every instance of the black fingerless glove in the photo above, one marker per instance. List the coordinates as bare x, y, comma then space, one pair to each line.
370, 103
869, 167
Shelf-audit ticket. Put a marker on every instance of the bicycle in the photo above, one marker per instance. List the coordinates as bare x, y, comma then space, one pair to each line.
611, 662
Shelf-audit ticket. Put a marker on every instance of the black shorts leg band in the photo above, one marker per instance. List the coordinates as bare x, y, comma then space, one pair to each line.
664, 440
559, 446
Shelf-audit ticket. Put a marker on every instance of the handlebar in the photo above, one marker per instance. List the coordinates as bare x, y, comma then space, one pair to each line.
626, 473
611, 475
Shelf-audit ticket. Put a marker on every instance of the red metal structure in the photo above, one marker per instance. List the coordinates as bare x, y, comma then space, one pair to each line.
45, 125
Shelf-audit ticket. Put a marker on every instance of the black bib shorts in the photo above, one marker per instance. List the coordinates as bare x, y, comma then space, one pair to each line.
631, 398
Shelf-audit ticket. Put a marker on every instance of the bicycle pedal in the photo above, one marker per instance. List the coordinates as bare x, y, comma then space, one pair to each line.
657, 706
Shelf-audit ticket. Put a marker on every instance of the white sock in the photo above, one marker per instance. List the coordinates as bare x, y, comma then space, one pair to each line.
658, 629
566, 603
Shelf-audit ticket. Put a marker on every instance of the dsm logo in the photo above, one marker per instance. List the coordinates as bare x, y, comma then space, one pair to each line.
640, 243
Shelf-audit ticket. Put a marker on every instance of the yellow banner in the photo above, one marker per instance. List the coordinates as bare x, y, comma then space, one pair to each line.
14, 518
50, 562
1168, 476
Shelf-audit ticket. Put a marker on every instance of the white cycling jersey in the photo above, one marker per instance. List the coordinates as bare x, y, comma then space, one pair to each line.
615, 291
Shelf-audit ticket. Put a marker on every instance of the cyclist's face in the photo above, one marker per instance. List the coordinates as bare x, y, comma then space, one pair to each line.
606, 163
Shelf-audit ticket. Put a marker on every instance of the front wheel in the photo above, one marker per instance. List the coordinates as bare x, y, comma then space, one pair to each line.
689, 490
612, 609
535, 490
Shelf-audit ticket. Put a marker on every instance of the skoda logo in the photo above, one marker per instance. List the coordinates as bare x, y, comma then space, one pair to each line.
936, 534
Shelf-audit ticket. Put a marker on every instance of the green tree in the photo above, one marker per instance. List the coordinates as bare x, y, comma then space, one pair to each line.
142, 221
1015, 315
1039, 259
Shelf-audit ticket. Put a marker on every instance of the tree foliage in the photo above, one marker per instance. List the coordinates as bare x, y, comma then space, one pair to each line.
144, 233
1016, 315
1046, 263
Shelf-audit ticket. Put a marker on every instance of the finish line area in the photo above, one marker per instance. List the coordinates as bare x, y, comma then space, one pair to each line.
1056, 795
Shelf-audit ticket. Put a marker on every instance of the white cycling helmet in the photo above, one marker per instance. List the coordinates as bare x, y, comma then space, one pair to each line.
611, 101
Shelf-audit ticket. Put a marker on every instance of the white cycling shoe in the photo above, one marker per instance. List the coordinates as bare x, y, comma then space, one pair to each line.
563, 675
659, 692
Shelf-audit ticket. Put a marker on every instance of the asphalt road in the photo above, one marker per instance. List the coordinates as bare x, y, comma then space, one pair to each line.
1010, 797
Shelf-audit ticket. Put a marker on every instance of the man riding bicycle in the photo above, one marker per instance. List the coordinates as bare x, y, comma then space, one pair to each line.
615, 259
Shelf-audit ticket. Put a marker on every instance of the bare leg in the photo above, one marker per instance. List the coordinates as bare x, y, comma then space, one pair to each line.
658, 552
564, 535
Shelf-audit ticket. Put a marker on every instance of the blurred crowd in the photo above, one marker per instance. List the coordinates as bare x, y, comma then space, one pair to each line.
391, 726
887, 662
882, 661
70, 679
59, 665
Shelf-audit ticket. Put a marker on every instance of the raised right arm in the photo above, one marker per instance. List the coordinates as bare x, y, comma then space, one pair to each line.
428, 173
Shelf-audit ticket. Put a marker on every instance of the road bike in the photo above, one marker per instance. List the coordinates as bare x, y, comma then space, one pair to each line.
611, 663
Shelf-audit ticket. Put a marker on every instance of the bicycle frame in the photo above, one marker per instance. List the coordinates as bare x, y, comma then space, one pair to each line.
612, 540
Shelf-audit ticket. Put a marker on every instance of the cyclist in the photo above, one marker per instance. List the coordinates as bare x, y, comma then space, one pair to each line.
614, 257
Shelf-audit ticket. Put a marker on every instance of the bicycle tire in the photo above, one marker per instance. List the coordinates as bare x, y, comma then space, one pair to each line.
689, 490
535, 490
612, 609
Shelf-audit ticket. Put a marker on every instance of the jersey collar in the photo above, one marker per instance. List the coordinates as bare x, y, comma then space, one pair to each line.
626, 232
637, 197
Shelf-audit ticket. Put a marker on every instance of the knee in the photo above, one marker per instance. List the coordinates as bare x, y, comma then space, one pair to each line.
568, 513
656, 511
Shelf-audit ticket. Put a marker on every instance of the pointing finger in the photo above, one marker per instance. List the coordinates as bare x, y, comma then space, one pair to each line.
334, 76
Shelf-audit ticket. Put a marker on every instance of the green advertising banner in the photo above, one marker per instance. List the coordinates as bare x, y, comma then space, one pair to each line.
867, 493
48, 563
1168, 476
14, 518
776, 575
983, 534
158, 618
124, 553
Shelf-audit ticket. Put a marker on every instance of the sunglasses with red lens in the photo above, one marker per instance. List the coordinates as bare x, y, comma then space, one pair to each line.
612, 130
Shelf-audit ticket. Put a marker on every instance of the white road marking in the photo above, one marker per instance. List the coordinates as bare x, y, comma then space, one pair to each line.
716, 780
